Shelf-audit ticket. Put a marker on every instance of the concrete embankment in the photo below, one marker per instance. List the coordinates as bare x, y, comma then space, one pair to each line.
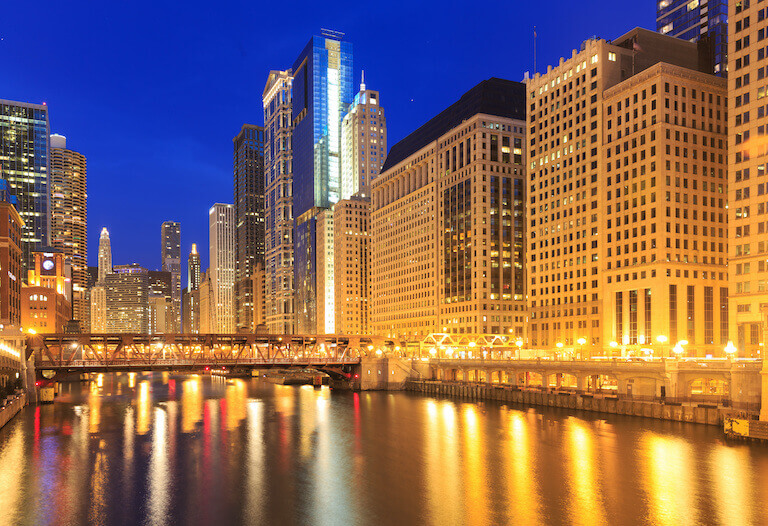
699, 414
12, 408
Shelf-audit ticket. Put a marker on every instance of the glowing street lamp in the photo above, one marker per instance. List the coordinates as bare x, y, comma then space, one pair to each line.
678, 349
730, 349
661, 339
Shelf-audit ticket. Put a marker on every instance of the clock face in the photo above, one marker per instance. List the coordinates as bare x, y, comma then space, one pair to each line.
48, 264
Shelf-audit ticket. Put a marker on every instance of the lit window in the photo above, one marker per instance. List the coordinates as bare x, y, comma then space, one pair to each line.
666, 29
693, 4
594, 59
612, 57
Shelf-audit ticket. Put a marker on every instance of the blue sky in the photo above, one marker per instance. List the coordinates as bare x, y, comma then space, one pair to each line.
152, 92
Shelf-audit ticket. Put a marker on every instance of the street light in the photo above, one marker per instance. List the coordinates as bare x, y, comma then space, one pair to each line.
730, 349
519, 344
678, 348
661, 339
581, 341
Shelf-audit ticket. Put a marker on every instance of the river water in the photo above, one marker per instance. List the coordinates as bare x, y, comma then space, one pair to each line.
181, 449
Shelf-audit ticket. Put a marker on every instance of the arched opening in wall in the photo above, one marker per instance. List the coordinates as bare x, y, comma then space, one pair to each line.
482, 376
471, 375
438, 374
497, 377
708, 388
456, 375
561, 381
535, 379
602, 382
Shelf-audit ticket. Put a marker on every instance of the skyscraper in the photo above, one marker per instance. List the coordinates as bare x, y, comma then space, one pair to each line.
322, 93
193, 268
364, 143
626, 226
221, 223
352, 253
127, 300
278, 175
248, 165
698, 20
105, 255
747, 227
69, 218
191, 296
24, 163
170, 239
11, 227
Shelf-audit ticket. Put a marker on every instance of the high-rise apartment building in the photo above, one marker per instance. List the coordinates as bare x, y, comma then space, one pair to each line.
447, 221
278, 180
221, 231
352, 249
69, 218
170, 256
98, 293
704, 21
127, 293
364, 143
24, 163
626, 206
11, 228
322, 92
248, 164
207, 305
747, 204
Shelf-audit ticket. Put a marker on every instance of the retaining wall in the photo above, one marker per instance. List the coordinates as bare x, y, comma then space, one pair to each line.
699, 414
11, 409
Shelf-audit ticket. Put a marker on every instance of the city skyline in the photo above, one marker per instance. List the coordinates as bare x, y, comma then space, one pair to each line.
185, 156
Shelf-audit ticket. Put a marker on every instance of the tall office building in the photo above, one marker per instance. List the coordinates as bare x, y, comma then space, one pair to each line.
627, 204
105, 255
24, 163
69, 218
704, 21
191, 296
278, 179
248, 164
447, 217
170, 240
322, 93
352, 249
127, 299
747, 206
207, 307
221, 231
364, 143
326, 291
11, 228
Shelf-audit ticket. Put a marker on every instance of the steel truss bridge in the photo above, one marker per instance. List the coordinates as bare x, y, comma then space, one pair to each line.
107, 352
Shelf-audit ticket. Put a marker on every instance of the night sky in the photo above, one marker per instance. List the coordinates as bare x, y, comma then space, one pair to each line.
152, 92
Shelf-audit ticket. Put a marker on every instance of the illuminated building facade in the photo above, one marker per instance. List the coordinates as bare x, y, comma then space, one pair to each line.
626, 219
221, 232
24, 163
322, 93
127, 300
45, 303
352, 249
170, 240
69, 218
447, 221
326, 292
278, 180
248, 162
11, 228
191, 297
364, 143
695, 20
747, 204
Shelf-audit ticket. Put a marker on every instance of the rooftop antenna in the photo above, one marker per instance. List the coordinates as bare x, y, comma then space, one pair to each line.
534, 50
362, 81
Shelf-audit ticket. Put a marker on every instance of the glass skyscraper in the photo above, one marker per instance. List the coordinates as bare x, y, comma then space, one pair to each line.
322, 94
696, 20
24, 163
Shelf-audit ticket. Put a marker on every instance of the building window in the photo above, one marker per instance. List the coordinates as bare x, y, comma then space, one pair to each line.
619, 318
709, 316
723, 315
673, 313
633, 317
647, 329
690, 314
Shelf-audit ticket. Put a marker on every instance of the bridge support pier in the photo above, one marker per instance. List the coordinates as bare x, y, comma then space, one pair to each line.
384, 373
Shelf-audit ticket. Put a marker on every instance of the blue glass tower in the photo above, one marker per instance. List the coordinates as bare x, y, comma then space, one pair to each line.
697, 20
322, 93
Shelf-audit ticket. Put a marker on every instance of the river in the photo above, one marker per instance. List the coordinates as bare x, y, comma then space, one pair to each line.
182, 449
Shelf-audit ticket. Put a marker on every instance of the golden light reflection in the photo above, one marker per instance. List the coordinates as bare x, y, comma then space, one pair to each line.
131, 380
731, 471
11, 468
307, 415
159, 475
475, 497
669, 469
191, 404
235, 395
97, 504
586, 503
442, 463
521, 472
94, 409
255, 463
143, 406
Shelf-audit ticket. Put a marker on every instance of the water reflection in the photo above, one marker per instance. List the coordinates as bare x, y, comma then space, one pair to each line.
165, 449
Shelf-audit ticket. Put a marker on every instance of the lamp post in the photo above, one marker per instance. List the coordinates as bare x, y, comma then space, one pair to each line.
519, 344
730, 350
662, 340
559, 346
581, 341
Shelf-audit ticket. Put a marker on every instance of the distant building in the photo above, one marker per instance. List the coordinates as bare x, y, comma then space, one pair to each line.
127, 300
98, 292
11, 228
25, 165
221, 222
207, 306
248, 167
352, 252
704, 21
258, 281
45, 306
278, 180
105, 255
325, 318
170, 239
69, 218
447, 220
364, 143
191, 297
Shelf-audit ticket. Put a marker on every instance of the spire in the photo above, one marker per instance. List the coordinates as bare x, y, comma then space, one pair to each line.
362, 81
